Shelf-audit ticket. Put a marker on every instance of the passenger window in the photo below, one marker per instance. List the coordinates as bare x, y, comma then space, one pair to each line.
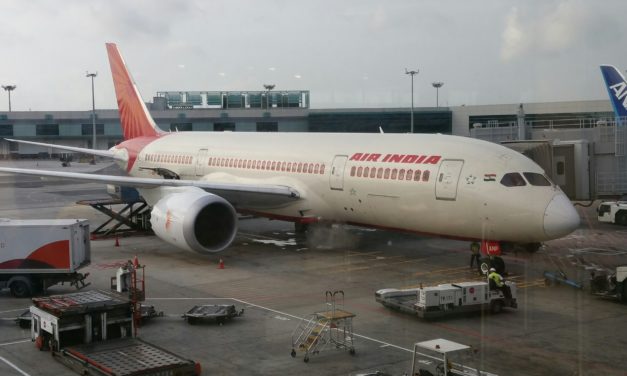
379, 172
425, 175
513, 179
386, 175
373, 172
536, 179
366, 171
417, 175
394, 172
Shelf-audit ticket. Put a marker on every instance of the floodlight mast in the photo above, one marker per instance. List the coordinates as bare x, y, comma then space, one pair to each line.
268, 87
93, 111
9, 89
412, 73
437, 85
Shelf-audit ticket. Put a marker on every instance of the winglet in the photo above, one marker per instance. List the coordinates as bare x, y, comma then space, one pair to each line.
134, 116
617, 90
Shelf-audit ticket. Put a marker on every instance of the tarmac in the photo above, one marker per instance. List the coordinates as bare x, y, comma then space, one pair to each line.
279, 278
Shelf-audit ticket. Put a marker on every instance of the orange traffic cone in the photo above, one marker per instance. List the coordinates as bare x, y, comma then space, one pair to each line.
221, 264
135, 262
117, 241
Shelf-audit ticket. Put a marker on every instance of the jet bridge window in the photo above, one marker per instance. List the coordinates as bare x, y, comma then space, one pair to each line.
537, 179
513, 179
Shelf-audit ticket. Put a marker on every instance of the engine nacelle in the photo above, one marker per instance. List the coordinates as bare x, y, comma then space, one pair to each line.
195, 220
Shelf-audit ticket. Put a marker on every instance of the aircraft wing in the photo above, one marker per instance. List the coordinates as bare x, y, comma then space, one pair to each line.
101, 153
249, 195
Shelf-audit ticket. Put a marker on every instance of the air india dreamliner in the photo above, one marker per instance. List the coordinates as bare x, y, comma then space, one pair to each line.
438, 185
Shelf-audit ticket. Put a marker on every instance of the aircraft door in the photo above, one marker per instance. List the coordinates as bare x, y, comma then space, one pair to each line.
201, 159
447, 179
336, 180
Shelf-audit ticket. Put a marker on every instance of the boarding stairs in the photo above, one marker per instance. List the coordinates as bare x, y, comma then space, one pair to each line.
309, 337
333, 326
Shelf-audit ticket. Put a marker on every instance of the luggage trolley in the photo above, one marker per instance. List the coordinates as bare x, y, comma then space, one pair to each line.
332, 327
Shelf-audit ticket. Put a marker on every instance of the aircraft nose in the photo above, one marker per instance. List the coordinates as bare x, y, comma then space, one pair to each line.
560, 217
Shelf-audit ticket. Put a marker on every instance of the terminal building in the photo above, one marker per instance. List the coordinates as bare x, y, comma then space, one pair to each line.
577, 143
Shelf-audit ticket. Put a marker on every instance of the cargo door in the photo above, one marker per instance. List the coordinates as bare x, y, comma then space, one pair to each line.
81, 249
336, 180
448, 177
201, 160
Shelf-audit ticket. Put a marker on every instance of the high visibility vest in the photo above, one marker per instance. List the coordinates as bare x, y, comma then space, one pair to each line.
497, 278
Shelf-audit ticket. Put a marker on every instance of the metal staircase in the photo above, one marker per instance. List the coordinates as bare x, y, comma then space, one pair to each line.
330, 327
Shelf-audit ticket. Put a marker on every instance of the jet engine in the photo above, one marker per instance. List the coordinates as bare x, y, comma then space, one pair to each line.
195, 220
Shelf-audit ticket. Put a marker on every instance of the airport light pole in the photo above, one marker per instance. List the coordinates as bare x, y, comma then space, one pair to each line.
437, 85
9, 89
93, 111
268, 87
412, 73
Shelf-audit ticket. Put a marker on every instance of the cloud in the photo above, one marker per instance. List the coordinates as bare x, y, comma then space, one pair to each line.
513, 37
546, 30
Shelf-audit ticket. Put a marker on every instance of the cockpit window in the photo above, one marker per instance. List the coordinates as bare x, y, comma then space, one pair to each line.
536, 179
513, 179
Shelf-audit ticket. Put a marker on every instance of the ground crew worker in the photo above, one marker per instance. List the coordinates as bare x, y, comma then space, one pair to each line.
496, 282
474, 248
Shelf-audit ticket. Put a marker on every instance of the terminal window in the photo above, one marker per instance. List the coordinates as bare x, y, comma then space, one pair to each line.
87, 129
267, 126
47, 130
221, 127
180, 127
6, 129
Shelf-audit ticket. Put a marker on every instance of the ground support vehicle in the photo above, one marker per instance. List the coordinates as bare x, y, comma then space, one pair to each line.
330, 328
452, 298
613, 211
37, 254
608, 284
212, 312
82, 317
92, 332
125, 356
442, 357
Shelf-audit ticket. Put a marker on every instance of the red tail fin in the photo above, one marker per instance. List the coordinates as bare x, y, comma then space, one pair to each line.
134, 116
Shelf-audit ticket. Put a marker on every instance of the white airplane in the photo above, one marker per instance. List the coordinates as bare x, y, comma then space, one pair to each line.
439, 185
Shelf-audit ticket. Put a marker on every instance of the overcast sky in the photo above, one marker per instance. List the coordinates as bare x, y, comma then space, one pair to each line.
348, 53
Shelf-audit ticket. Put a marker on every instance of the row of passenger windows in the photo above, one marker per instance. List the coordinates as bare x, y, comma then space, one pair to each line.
390, 173
252, 164
514, 179
169, 158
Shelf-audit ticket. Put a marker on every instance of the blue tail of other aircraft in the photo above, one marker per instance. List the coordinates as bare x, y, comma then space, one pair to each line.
617, 90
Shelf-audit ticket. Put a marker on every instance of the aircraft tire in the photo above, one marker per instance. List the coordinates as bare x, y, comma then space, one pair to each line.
498, 264
532, 247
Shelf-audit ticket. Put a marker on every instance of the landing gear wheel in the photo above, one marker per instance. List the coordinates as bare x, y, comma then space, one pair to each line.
621, 218
301, 228
622, 295
293, 353
498, 264
532, 247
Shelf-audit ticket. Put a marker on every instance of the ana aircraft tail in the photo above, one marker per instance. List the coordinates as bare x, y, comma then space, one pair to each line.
134, 116
617, 90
